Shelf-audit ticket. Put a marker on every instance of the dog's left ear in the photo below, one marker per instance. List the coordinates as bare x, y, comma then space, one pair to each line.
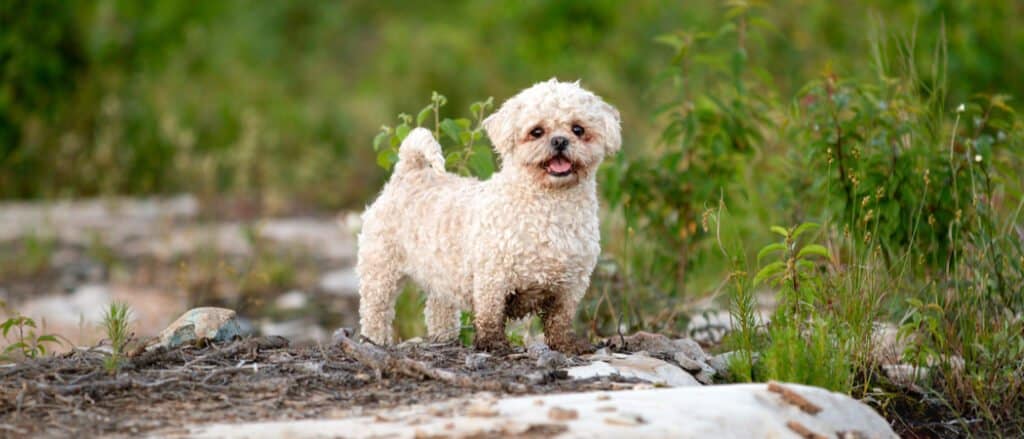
499, 129
612, 128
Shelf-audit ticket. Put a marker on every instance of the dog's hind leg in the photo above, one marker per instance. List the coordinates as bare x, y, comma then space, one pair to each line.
442, 318
380, 282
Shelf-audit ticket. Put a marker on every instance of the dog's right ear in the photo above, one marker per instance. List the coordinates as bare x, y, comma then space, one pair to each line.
500, 129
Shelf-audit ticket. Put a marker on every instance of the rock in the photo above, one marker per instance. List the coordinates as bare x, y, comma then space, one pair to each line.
720, 363
344, 282
739, 410
691, 349
643, 341
645, 368
886, 346
905, 375
200, 324
299, 331
477, 360
551, 360
291, 300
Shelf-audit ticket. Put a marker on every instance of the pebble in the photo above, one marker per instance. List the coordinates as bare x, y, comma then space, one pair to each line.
476, 361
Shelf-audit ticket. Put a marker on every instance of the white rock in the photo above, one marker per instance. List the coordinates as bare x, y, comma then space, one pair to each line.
729, 411
905, 375
291, 300
641, 367
344, 282
296, 331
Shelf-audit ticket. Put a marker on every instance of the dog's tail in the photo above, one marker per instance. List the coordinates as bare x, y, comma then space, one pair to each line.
419, 150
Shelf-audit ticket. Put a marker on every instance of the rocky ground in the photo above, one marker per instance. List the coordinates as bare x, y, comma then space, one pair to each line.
261, 387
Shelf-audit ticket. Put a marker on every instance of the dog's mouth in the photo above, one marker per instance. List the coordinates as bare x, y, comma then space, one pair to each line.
558, 166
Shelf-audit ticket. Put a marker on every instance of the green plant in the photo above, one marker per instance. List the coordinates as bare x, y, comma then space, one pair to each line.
466, 152
26, 343
116, 322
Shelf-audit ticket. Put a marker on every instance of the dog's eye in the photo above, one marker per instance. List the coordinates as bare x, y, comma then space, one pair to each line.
577, 130
537, 132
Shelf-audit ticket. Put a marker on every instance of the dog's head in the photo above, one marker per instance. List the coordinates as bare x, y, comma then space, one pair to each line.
556, 133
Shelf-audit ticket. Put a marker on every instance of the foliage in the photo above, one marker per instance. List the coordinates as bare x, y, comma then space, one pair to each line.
272, 101
116, 324
466, 154
26, 343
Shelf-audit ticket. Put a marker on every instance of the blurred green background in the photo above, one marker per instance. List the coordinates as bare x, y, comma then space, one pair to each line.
278, 101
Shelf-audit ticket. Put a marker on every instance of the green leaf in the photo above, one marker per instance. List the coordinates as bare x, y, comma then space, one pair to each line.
423, 115
402, 131
768, 249
768, 271
47, 338
813, 249
482, 162
452, 129
806, 265
379, 138
780, 230
386, 158
804, 228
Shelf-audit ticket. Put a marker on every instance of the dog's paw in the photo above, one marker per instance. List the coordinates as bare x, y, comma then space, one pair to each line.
571, 345
492, 344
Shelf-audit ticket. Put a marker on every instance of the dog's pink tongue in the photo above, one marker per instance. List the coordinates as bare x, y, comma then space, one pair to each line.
559, 165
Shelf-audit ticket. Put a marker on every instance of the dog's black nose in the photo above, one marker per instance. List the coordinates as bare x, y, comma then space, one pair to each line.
560, 143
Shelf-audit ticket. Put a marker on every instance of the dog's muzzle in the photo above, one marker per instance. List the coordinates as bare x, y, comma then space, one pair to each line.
558, 166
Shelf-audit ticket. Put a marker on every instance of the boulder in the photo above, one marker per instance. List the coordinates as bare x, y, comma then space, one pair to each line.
727, 411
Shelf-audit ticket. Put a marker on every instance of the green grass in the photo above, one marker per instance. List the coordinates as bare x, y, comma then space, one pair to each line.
115, 323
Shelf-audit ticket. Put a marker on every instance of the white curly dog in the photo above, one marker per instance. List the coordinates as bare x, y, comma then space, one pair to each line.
524, 241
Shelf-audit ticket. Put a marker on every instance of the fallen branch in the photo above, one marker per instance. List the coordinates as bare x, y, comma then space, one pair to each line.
380, 360
803, 431
791, 397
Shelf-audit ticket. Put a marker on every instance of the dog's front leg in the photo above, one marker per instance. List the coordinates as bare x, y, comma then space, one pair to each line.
557, 319
489, 319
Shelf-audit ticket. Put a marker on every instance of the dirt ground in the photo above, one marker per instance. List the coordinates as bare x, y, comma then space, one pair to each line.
255, 379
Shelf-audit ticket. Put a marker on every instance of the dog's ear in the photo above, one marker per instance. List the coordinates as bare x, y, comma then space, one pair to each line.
500, 130
612, 129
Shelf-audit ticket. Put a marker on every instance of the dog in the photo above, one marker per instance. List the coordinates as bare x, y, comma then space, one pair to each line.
523, 242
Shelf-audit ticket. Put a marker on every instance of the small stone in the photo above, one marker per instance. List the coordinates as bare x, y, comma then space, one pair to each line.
551, 359
476, 361
691, 348
603, 397
200, 324
562, 414
700, 370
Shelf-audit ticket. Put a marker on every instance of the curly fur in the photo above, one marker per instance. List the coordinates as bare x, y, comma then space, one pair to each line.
524, 241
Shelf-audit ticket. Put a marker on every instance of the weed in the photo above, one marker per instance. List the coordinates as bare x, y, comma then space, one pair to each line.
116, 325
26, 343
